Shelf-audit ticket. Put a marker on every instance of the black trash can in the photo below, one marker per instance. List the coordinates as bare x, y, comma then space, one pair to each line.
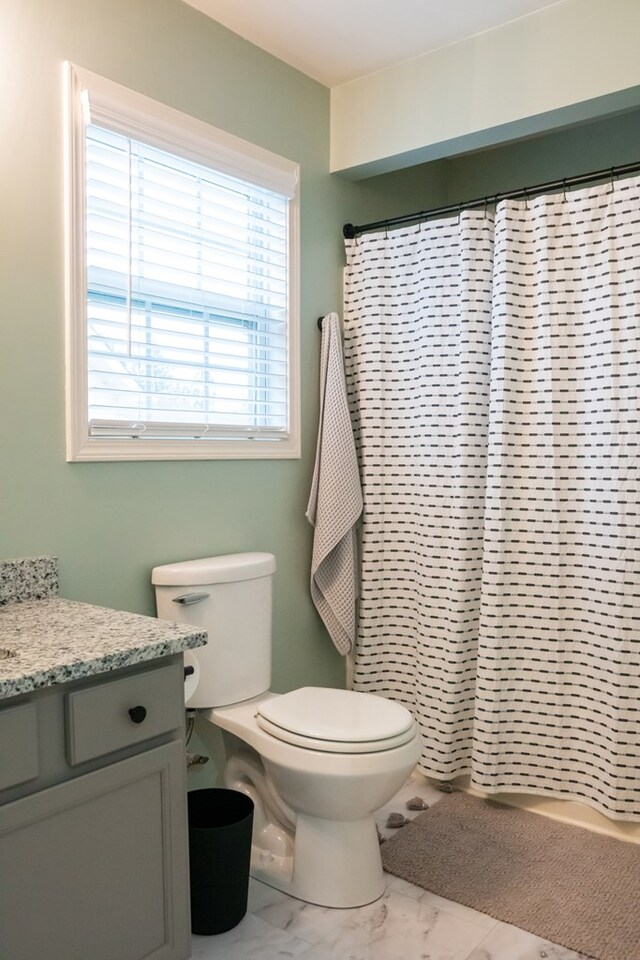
220, 825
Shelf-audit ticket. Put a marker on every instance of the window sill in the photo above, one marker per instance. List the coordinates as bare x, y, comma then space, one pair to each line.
93, 450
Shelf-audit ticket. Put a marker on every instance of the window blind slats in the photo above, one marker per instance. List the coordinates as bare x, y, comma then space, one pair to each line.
181, 374
168, 430
164, 300
187, 296
267, 237
188, 353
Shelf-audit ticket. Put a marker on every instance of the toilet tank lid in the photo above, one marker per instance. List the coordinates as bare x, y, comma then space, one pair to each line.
224, 569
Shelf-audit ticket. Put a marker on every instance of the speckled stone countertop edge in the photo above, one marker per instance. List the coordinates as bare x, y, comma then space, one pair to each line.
51, 641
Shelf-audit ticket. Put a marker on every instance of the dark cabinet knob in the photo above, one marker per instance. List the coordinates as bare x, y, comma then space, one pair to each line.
188, 671
138, 714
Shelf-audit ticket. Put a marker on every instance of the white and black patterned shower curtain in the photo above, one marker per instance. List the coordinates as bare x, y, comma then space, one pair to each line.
494, 383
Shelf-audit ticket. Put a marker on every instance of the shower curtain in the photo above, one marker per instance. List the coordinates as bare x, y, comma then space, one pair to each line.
492, 368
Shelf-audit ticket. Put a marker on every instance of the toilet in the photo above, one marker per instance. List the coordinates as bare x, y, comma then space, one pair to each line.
317, 762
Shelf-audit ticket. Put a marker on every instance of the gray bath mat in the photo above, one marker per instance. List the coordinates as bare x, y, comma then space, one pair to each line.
563, 883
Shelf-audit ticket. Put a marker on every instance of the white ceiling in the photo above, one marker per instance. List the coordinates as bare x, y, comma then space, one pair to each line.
334, 41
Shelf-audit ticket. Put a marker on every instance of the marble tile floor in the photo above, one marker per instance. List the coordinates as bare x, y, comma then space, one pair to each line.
406, 923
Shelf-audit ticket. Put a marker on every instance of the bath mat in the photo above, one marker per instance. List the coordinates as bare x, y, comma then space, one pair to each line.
563, 883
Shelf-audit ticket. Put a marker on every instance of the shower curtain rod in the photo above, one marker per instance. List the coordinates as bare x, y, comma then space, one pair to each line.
350, 232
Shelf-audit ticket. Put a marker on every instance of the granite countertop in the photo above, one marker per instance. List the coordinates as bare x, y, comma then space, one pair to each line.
48, 640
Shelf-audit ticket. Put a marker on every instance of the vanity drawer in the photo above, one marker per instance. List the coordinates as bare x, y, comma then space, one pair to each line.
119, 713
19, 739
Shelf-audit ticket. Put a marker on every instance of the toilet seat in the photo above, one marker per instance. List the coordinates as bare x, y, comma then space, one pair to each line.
336, 721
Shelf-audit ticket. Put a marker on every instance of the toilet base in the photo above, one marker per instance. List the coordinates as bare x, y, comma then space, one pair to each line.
335, 864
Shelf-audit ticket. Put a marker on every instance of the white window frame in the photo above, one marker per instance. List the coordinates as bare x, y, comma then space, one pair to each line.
114, 106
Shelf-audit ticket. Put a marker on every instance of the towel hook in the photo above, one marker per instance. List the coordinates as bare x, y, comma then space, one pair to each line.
320, 319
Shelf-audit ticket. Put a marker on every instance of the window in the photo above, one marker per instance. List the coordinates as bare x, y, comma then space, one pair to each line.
182, 271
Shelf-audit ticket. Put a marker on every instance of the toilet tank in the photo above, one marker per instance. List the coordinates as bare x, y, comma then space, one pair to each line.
229, 597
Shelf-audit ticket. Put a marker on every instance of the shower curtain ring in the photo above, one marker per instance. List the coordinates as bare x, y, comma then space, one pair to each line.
564, 191
526, 198
613, 180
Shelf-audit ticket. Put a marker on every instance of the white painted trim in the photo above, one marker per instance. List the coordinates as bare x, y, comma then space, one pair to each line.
95, 450
201, 143
76, 400
126, 111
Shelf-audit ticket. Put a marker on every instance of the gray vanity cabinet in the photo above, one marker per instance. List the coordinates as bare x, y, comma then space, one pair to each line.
93, 862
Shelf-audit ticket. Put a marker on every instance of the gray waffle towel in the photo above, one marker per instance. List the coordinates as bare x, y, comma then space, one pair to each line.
335, 501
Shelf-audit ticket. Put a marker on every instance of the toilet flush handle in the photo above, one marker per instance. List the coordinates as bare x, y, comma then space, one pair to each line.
188, 598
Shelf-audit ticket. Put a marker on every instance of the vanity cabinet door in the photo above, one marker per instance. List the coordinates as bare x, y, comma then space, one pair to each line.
95, 868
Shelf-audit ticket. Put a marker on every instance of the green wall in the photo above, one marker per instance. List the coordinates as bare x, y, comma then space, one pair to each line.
596, 145
110, 523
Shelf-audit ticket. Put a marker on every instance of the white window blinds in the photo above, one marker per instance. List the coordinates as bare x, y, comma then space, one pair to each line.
182, 269
186, 296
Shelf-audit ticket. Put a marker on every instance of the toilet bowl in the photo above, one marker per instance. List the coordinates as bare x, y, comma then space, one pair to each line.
320, 842
317, 762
